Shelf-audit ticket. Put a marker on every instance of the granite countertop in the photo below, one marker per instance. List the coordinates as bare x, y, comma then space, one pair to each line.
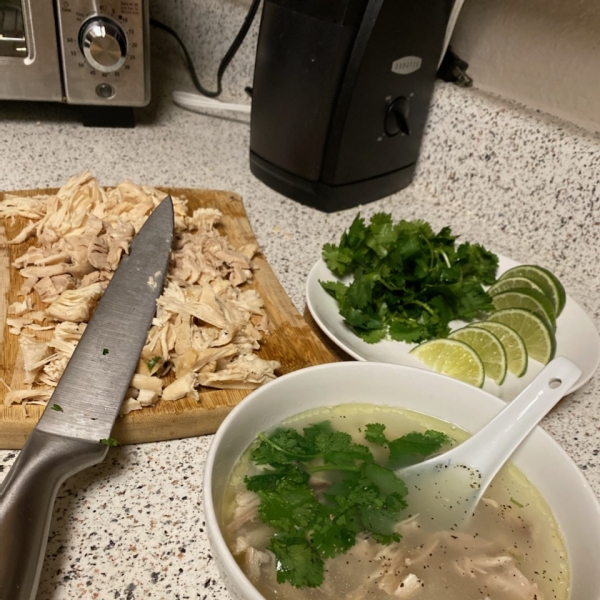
521, 183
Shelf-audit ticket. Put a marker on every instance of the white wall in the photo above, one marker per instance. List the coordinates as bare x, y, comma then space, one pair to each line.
543, 53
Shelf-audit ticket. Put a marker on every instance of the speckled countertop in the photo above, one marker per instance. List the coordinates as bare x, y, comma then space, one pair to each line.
521, 183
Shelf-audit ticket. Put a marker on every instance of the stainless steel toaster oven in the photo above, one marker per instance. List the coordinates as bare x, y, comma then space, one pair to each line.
83, 52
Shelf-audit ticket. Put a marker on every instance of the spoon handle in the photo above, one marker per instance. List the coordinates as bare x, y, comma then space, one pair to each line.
502, 435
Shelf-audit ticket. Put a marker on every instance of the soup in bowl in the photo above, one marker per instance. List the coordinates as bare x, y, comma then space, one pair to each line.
301, 500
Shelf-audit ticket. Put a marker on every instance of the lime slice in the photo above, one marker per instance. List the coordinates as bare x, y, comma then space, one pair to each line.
488, 348
535, 331
528, 299
544, 279
516, 353
453, 358
510, 283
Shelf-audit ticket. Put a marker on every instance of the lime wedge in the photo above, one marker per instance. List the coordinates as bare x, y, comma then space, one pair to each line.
510, 283
453, 358
535, 331
489, 349
544, 279
526, 298
516, 353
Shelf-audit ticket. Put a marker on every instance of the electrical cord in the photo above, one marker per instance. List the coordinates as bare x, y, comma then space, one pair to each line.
231, 52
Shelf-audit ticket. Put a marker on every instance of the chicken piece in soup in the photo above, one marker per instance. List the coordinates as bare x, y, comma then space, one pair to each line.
510, 550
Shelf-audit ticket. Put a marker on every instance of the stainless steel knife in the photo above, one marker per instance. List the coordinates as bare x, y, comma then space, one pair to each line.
87, 401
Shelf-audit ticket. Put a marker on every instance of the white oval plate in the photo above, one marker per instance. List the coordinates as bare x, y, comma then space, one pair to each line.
576, 335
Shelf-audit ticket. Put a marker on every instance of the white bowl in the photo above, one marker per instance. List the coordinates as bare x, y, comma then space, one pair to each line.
540, 458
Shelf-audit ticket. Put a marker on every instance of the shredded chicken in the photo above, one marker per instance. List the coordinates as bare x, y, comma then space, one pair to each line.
208, 325
246, 509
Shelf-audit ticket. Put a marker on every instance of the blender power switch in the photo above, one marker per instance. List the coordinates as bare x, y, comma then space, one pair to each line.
396, 118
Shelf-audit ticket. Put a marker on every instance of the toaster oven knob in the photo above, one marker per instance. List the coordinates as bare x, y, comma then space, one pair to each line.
103, 44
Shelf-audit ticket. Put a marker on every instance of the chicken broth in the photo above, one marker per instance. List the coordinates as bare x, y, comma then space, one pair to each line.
510, 550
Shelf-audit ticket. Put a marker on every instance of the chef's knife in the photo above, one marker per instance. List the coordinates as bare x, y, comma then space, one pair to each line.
83, 407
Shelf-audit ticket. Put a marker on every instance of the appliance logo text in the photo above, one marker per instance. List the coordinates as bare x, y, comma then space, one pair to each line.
406, 65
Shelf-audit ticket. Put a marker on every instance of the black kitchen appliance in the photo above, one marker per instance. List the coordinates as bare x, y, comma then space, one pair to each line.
341, 95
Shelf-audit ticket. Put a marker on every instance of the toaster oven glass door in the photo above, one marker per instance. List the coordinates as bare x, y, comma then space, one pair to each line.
12, 29
29, 58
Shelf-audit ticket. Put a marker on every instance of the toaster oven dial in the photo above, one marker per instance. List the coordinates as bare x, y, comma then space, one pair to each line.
103, 44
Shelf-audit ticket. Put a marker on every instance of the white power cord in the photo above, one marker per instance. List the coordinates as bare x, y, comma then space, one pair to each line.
199, 103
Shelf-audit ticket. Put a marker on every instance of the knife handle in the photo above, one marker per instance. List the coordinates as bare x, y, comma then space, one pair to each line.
26, 499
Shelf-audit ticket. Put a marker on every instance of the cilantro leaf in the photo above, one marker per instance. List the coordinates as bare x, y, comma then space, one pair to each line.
153, 362
386, 481
297, 562
269, 480
356, 233
358, 319
471, 299
373, 336
338, 449
288, 506
337, 259
281, 447
478, 262
335, 289
331, 537
414, 447
111, 442
360, 292
382, 234
374, 433
405, 330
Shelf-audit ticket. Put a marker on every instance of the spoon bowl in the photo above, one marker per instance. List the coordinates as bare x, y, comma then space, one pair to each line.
446, 489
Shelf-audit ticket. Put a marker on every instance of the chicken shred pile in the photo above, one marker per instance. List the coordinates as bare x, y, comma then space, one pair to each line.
208, 325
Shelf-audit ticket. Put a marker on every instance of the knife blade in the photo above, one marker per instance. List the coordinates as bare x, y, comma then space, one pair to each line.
88, 396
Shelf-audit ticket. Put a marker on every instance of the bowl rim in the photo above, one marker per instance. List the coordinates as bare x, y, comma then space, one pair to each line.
212, 523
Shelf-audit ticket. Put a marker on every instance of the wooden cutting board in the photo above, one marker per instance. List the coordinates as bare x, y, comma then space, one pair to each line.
291, 341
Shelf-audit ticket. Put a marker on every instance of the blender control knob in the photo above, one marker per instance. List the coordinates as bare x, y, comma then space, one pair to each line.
396, 119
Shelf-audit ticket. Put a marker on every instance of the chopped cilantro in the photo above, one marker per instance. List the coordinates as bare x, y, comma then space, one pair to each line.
408, 281
153, 361
109, 442
57, 408
408, 449
414, 447
105, 351
364, 496
374, 434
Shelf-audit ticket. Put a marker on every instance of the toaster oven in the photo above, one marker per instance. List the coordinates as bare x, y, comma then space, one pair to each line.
82, 52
